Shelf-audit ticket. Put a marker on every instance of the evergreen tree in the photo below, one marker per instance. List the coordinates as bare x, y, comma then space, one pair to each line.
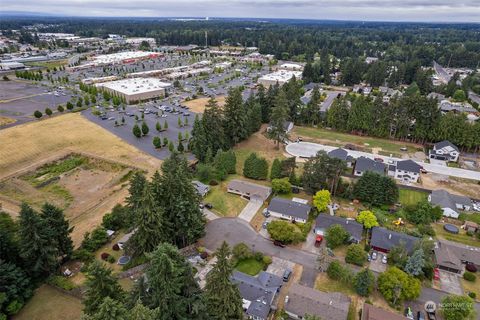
276, 170
254, 115
415, 263
158, 126
37, 248
279, 116
138, 183
199, 143
110, 309
145, 128
55, 219
16, 288
264, 104
100, 285
136, 131
235, 124
140, 312
222, 297
364, 282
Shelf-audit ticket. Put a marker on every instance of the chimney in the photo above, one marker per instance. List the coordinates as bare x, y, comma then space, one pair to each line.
390, 236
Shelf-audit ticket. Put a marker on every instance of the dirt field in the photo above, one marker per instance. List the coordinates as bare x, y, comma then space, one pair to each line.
87, 193
6, 120
198, 105
464, 188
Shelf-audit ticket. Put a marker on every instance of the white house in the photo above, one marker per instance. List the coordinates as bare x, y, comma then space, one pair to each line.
407, 170
444, 151
451, 204
289, 210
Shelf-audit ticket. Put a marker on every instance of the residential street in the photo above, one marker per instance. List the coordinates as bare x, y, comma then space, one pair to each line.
234, 230
308, 149
429, 294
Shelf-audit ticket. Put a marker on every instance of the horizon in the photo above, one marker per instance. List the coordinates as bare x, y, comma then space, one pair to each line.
418, 11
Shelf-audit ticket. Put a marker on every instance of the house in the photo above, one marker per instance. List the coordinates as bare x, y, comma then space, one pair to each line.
324, 221
202, 189
470, 226
444, 151
303, 300
287, 126
249, 190
434, 95
407, 170
257, 292
123, 240
451, 256
451, 204
370, 312
289, 210
364, 164
370, 60
341, 154
383, 240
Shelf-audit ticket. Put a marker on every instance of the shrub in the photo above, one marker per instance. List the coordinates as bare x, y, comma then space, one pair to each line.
95, 240
111, 259
61, 282
337, 271
60, 109
258, 256
82, 255
48, 111
37, 114
241, 251
285, 232
472, 295
104, 256
356, 255
267, 260
119, 218
281, 185
335, 236
115, 247
255, 167
469, 276
471, 267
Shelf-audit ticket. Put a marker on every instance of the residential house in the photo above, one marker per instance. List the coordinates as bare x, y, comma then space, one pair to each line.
438, 96
383, 240
324, 221
406, 170
451, 204
452, 256
370, 312
249, 190
444, 151
202, 189
287, 126
341, 154
289, 210
123, 240
303, 300
258, 293
364, 164
370, 60
471, 226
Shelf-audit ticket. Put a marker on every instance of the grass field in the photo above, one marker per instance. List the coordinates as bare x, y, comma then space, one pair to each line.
339, 138
411, 197
469, 286
48, 64
50, 304
198, 105
462, 237
250, 266
224, 203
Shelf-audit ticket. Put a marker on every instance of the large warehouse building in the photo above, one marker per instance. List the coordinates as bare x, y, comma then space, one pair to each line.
137, 89
281, 77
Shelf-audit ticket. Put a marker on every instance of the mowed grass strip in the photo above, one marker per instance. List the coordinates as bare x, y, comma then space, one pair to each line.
49, 304
250, 266
409, 197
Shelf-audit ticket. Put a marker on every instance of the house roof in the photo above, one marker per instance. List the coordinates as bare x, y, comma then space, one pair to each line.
445, 256
304, 300
364, 164
260, 291
201, 187
471, 224
373, 313
251, 189
386, 239
355, 229
445, 144
445, 199
409, 165
461, 251
289, 207
339, 153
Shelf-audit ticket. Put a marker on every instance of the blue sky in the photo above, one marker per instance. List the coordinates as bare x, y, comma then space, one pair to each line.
379, 10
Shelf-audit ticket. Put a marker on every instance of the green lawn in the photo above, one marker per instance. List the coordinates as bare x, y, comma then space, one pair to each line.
462, 237
343, 138
224, 203
49, 303
250, 266
411, 197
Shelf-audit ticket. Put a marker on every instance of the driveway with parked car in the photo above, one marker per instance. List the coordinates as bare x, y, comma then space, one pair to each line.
378, 262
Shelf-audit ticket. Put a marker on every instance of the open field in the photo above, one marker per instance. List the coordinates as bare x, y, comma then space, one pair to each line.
463, 187
6, 120
331, 137
198, 105
90, 193
411, 197
50, 304
462, 237
48, 64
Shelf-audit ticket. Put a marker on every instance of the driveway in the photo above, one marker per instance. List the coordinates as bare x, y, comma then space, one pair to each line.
250, 210
450, 283
209, 214
309, 149
278, 266
235, 230
309, 244
377, 265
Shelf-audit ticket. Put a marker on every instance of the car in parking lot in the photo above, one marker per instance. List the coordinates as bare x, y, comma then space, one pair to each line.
286, 275
384, 259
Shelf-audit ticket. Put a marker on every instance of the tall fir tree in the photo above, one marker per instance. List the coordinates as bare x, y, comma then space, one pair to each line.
222, 297
213, 121
278, 118
60, 227
199, 143
110, 309
235, 123
137, 186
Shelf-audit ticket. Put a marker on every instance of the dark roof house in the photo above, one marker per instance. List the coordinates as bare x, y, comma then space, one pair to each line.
341, 154
292, 210
249, 190
409, 165
383, 240
324, 221
303, 300
445, 151
258, 292
449, 253
364, 164
202, 189
450, 203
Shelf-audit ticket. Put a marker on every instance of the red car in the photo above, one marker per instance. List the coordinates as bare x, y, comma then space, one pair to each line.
318, 240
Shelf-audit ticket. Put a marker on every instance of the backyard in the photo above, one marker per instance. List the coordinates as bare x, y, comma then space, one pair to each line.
409, 197
250, 266
461, 237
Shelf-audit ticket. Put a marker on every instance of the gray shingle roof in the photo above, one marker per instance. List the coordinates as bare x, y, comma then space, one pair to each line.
260, 291
355, 229
364, 164
409, 165
339, 153
463, 252
250, 189
289, 207
445, 199
443, 144
386, 239
329, 306
200, 187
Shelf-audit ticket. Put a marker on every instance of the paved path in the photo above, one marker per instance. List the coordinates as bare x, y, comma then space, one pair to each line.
209, 214
250, 210
309, 149
235, 230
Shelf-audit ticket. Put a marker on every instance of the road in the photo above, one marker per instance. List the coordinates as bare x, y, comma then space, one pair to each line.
309, 149
234, 231
429, 294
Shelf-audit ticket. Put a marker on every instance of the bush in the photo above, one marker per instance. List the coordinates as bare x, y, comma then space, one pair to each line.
258, 256
356, 255
115, 247
255, 167
267, 260
336, 271
426, 229
105, 256
281, 186
60, 109
95, 240
285, 232
61, 282
111, 259
37, 114
335, 236
472, 295
241, 251
469, 276
119, 218
82, 255
471, 267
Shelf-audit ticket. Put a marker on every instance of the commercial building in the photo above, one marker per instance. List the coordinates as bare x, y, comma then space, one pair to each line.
281, 77
291, 67
136, 89
117, 58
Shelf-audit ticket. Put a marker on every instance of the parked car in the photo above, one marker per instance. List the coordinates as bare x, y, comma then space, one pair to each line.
201, 206
264, 225
286, 275
384, 259
318, 240
208, 205
266, 213
378, 159
279, 244
403, 149
374, 255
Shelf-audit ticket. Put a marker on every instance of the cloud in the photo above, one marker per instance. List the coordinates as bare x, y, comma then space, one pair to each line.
385, 10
